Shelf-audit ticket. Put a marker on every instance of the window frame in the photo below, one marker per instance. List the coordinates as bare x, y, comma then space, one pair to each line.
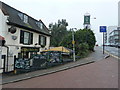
26, 38
25, 18
40, 25
22, 37
42, 40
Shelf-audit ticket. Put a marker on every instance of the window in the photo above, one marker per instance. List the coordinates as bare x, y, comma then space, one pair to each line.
20, 15
42, 40
40, 25
25, 19
26, 37
116, 32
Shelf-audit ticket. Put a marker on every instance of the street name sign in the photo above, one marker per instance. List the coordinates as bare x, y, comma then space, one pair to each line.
103, 28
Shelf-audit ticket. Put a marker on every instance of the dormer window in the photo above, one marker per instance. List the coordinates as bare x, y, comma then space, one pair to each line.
40, 25
20, 15
25, 19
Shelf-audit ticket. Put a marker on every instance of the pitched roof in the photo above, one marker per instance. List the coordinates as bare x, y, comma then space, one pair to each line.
15, 19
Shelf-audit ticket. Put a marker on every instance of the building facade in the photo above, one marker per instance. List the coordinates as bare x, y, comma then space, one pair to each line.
24, 36
114, 37
108, 34
119, 13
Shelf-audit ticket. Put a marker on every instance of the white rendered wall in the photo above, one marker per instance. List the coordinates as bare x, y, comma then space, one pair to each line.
14, 45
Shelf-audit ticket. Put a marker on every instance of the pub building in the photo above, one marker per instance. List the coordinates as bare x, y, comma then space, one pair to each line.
23, 35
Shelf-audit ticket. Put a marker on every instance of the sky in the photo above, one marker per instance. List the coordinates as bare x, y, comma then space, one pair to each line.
49, 11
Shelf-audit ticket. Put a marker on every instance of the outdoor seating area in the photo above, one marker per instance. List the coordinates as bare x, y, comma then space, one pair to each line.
46, 59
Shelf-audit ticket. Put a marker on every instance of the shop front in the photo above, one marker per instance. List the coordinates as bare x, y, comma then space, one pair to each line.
25, 58
28, 52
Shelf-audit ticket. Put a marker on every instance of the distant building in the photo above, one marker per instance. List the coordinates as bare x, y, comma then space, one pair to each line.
119, 13
107, 34
113, 32
23, 34
105, 38
114, 37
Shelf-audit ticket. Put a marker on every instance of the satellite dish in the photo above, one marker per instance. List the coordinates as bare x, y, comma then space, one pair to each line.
12, 29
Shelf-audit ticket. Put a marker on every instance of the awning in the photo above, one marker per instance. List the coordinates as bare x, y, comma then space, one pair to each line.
61, 49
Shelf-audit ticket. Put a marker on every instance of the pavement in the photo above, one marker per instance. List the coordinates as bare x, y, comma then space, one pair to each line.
93, 57
100, 74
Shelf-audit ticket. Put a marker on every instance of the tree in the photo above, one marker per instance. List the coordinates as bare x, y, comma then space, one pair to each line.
58, 32
83, 49
83, 38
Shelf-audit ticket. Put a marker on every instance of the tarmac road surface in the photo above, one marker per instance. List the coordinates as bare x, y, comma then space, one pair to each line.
113, 50
101, 74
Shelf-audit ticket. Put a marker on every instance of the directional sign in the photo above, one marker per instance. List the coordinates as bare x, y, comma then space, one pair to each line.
103, 28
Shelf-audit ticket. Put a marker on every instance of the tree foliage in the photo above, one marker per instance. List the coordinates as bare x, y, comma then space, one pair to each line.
84, 40
83, 49
85, 36
58, 32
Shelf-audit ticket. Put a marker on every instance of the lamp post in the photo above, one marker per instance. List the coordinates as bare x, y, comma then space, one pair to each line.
73, 42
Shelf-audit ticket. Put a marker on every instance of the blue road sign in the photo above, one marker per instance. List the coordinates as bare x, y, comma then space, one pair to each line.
103, 28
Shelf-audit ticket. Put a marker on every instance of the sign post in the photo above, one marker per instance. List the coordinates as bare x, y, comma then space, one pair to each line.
103, 29
87, 19
73, 42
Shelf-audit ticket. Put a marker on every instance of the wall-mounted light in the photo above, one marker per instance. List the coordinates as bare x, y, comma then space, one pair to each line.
12, 29
17, 47
14, 37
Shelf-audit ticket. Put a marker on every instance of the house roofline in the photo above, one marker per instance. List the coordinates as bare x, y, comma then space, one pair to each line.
18, 25
33, 30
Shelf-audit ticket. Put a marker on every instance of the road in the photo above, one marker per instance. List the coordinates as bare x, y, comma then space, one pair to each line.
113, 50
101, 74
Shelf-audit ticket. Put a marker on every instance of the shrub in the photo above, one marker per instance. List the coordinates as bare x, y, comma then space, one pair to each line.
83, 49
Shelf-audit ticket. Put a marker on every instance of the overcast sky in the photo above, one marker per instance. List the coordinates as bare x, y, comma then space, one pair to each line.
105, 11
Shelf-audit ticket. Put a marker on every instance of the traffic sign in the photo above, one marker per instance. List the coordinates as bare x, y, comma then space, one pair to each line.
103, 28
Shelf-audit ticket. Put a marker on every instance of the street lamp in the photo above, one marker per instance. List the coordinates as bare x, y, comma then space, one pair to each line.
73, 42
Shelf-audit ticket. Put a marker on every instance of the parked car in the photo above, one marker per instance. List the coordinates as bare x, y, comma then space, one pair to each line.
117, 45
112, 44
107, 44
97, 45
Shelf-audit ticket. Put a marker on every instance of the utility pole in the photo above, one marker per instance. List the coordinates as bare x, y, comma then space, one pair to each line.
73, 42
